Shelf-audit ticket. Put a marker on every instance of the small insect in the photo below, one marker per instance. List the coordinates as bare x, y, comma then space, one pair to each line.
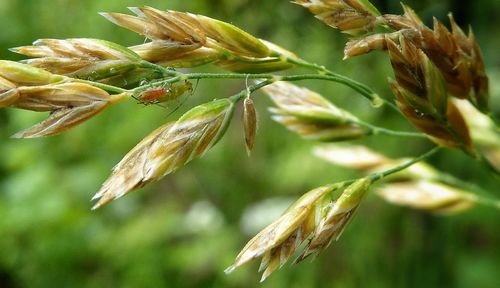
165, 94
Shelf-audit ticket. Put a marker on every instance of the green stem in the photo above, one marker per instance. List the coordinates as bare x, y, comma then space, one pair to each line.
106, 87
164, 70
384, 131
366, 91
378, 176
330, 77
238, 97
270, 78
488, 202
160, 83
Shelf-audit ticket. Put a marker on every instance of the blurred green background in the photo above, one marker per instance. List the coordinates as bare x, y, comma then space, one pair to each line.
184, 230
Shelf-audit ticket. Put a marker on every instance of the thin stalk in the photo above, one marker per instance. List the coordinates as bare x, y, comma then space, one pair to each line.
378, 176
196, 76
376, 130
488, 202
330, 77
160, 83
367, 92
385, 131
270, 78
238, 97
106, 87
381, 175
164, 70
454, 181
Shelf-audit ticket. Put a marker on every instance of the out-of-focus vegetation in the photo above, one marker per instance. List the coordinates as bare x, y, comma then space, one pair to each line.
184, 230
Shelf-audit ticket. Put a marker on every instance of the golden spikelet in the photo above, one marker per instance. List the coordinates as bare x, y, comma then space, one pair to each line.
26, 87
352, 156
80, 58
313, 216
332, 225
366, 160
349, 16
420, 186
69, 104
454, 53
167, 149
278, 241
422, 96
359, 46
484, 132
188, 40
429, 196
310, 115
175, 32
249, 124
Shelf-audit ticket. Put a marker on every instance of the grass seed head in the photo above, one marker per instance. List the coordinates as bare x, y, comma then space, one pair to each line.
454, 53
249, 124
26, 87
14, 74
167, 149
80, 58
354, 157
422, 96
184, 31
260, 65
162, 51
278, 241
353, 17
310, 115
429, 196
332, 225
69, 104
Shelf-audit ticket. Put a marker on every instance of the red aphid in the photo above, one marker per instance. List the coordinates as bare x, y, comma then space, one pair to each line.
153, 95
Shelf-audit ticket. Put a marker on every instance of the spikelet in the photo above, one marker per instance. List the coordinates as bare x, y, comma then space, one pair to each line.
278, 241
359, 46
172, 26
484, 133
429, 196
26, 87
422, 96
312, 216
332, 225
349, 16
14, 74
167, 149
419, 186
260, 65
174, 55
455, 54
249, 124
366, 160
69, 104
177, 35
310, 115
80, 58
352, 156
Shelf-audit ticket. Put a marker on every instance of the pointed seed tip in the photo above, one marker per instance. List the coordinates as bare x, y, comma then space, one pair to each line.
108, 17
17, 136
229, 269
